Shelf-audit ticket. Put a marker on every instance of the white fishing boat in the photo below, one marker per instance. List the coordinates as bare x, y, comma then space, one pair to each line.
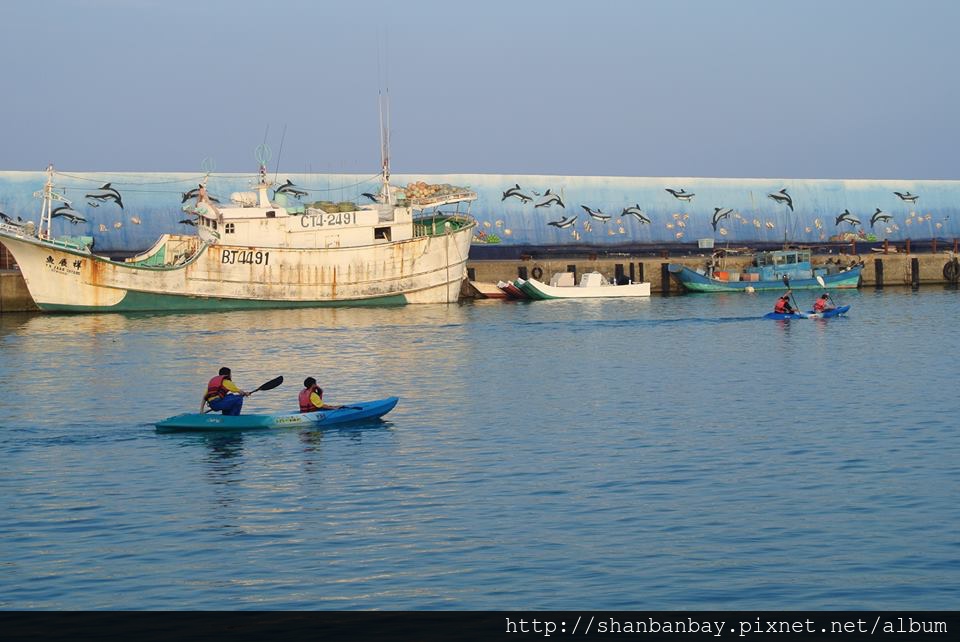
592, 286
258, 253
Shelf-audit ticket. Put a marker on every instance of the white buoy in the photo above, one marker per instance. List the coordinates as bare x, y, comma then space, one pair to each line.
749, 289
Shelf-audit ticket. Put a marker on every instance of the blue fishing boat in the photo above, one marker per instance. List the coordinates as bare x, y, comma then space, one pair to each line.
362, 411
767, 272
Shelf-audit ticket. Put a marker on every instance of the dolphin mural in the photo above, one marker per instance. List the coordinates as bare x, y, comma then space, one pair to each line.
372, 197
782, 197
597, 214
636, 212
289, 189
907, 197
68, 213
720, 213
564, 222
549, 199
847, 217
196, 192
880, 215
104, 194
682, 195
515, 191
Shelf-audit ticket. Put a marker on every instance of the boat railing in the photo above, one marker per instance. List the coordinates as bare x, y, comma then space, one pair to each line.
443, 199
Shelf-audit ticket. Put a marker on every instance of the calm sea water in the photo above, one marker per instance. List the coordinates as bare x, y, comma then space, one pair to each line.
670, 453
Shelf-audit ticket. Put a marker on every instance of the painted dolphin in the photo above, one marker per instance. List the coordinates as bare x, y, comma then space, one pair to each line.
597, 214
196, 192
880, 216
106, 193
515, 191
564, 222
848, 217
682, 195
288, 188
9, 221
782, 197
907, 196
636, 212
720, 213
549, 199
65, 211
372, 197
187, 221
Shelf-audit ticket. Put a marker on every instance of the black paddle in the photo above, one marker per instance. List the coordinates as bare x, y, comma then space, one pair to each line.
786, 282
270, 385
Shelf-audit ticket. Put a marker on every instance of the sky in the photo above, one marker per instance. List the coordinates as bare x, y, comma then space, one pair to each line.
685, 88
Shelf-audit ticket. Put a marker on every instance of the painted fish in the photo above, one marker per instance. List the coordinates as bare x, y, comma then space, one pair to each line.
635, 212
782, 197
515, 191
106, 193
597, 214
549, 199
682, 195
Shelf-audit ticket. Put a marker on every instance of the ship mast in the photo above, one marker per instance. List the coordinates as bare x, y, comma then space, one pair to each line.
385, 195
44, 231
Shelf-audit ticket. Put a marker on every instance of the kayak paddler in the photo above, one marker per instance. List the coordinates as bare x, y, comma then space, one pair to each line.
823, 303
218, 395
782, 306
311, 397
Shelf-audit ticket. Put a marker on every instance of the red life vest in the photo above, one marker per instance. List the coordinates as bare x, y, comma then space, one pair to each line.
305, 404
781, 306
215, 389
820, 305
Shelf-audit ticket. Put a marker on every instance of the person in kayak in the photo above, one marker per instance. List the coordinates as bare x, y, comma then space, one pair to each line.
782, 306
823, 303
218, 395
311, 397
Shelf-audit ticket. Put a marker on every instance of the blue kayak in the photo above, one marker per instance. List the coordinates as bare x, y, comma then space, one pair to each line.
835, 312
363, 411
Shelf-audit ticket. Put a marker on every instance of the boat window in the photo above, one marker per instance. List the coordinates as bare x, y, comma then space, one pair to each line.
228, 228
271, 214
381, 233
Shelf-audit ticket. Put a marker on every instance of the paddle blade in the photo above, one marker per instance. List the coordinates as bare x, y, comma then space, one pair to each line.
821, 282
270, 385
786, 280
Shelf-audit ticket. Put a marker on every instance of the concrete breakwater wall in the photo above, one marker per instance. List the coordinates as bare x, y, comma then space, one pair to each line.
900, 269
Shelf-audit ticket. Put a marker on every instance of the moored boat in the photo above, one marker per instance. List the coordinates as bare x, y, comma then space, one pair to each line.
362, 411
258, 253
513, 289
767, 272
592, 286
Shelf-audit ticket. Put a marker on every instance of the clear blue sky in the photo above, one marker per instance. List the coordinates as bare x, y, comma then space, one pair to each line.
743, 88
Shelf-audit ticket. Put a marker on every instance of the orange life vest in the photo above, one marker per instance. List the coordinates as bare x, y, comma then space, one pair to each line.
820, 305
215, 389
306, 405
781, 306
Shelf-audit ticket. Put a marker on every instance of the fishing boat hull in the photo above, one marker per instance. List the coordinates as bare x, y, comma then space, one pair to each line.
363, 411
827, 314
696, 282
589, 288
65, 278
